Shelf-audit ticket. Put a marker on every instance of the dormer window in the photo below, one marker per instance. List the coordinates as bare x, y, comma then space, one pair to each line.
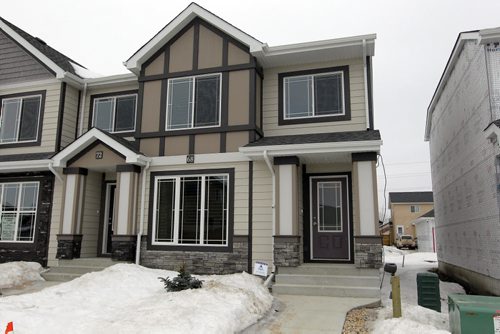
115, 114
320, 95
194, 102
19, 119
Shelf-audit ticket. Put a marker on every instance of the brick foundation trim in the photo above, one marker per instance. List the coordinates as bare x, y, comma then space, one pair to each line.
286, 250
199, 262
368, 251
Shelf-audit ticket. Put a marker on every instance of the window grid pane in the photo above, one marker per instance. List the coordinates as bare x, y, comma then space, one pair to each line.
190, 210
18, 211
125, 113
11, 110
207, 101
330, 206
180, 103
103, 114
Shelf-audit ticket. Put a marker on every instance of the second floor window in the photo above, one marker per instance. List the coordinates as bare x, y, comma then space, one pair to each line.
314, 95
193, 102
414, 208
115, 113
19, 119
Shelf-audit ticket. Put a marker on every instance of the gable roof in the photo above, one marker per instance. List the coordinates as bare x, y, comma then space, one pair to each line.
120, 145
411, 197
57, 62
177, 24
429, 214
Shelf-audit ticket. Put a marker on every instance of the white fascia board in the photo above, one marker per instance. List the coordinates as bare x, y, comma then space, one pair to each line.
445, 76
23, 166
268, 51
170, 30
34, 51
112, 80
314, 148
489, 35
88, 138
200, 159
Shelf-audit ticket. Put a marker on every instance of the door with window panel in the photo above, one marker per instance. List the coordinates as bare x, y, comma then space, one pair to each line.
330, 227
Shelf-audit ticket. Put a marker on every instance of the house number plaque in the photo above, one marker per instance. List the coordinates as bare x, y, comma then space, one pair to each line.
99, 155
190, 159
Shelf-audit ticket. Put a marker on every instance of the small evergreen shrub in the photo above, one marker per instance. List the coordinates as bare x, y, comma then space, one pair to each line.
183, 281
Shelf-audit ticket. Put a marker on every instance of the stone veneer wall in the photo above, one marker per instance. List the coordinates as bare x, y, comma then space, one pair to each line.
368, 252
34, 251
199, 262
286, 251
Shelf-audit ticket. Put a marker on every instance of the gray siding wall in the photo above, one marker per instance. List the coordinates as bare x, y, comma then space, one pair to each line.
16, 65
463, 169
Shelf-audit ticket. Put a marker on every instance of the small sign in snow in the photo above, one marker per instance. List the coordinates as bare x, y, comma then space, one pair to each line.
260, 269
496, 322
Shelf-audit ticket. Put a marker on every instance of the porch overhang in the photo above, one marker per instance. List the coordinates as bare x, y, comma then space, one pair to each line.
24, 166
132, 156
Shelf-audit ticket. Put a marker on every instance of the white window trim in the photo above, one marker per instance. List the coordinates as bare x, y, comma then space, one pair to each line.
341, 210
286, 117
177, 179
19, 122
114, 97
397, 229
18, 212
191, 127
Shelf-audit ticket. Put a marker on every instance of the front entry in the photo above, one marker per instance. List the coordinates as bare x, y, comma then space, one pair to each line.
329, 216
108, 218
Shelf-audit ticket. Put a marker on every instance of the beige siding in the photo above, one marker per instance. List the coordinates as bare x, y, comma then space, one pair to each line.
102, 90
270, 101
91, 214
262, 213
181, 52
50, 116
402, 216
70, 121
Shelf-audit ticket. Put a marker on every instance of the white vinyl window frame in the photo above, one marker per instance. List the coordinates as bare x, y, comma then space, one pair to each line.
193, 104
177, 210
18, 121
414, 208
113, 120
321, 224
19, 212
400, 230
311, 78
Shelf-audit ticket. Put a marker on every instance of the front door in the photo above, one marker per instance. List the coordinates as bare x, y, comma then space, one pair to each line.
108, 218
330, 226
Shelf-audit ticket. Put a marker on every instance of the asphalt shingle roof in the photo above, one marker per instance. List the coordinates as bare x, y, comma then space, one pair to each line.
429, 214
411, 197
61, 60
317, 138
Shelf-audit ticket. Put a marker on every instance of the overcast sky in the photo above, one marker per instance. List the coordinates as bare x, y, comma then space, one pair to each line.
414, 41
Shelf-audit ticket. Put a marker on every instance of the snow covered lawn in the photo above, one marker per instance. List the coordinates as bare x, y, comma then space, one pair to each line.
415, 319
14, 274
127, 298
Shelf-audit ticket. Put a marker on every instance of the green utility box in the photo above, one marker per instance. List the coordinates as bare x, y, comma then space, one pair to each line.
428, 291
474, 314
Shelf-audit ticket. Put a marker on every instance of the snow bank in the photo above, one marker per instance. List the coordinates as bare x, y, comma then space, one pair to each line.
14, 274
127, 298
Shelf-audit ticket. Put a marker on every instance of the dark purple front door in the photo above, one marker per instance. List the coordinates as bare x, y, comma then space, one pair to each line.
330, 234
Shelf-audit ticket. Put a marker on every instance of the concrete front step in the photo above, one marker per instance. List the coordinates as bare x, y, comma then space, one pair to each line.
331, 280
68, 270
329, 269
326, 290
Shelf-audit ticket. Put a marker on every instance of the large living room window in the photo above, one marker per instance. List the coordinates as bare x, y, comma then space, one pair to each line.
18, 207
320, 95
115, 113
19, 119
191, 210
194, 102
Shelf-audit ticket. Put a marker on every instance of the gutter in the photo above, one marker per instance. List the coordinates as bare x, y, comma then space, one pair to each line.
56, 174
273, 205
141, 226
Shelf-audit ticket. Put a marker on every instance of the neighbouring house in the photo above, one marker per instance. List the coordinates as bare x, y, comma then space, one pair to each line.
405, 207
386, 230
425, 230
463, 130
215, 151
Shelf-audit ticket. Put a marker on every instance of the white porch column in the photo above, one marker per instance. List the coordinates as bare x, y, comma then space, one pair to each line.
126, 199
73, 200
364, 167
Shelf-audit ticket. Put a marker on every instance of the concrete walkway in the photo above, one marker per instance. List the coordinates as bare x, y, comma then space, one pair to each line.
308, 314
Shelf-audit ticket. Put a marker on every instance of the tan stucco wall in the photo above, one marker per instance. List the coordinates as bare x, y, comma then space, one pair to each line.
178, 145
150, 146
207, 143
156, 66
209, 49
238, 99
234, 140
151, 107
401, 215
236, 56
181, 52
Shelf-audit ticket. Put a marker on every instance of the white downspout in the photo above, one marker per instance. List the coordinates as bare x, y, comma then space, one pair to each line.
82, 110
273, 205
141, 226
56, 174
365, 72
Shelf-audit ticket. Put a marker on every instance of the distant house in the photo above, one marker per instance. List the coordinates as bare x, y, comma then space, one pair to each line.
425, 230
406, 207
463, 132
386, 233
